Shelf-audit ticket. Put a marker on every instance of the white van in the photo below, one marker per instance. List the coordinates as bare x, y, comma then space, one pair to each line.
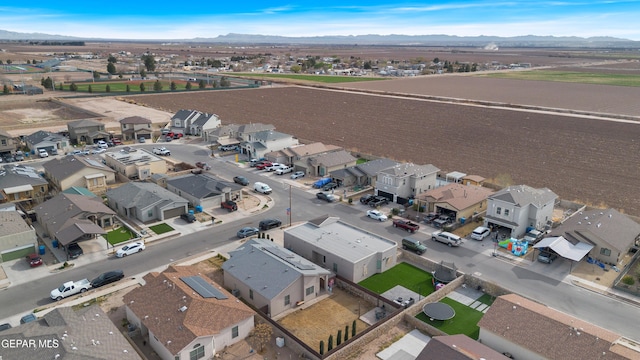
262, 188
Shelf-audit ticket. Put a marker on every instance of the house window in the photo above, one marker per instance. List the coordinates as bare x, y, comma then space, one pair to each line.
4, 142
287, 300
498, 210
150, 213
335, 268
177, 357
310, 290
506, 212
124, 126
234, 332
605, 252
41, 189
324, 259
250, 294
197, 352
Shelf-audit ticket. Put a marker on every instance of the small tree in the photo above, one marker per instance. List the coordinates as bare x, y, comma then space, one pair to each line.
353, 329
90, 89
5, 89
128, 89
321, 347
215, 84
61, 87
330, 346
143, 73
188, 86
346, 333
202, 84
262, 334
173, 86
142, 87
108, 88
339, 338
157, 86
112, 59
296, 68
73, 87
111, 68
96, 75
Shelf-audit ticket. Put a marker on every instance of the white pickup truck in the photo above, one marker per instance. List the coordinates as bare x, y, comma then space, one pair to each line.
161, 151
284, 169
70, 288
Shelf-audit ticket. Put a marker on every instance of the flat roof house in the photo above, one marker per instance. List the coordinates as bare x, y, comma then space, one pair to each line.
348, 251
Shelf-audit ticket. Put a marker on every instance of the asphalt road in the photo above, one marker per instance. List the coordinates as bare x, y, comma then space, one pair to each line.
469, 258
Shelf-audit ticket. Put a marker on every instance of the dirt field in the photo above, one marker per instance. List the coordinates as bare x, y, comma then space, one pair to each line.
591, 161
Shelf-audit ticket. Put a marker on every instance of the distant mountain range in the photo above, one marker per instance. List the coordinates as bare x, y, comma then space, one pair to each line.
398, 40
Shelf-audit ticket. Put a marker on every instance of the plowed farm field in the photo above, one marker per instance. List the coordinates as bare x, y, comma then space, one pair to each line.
589, 160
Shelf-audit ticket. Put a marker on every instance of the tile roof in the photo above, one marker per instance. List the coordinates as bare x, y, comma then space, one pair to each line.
457, 195
332, 159
599, 227
547, 332
523, 195
157, 305
202, 186
63, 167
143, 195
457, 347
82, 334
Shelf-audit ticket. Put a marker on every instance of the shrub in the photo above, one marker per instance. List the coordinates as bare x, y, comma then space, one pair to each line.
350, 200
628, 280
395, 211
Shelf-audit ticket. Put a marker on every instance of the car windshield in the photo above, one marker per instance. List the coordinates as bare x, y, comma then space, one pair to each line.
61, 288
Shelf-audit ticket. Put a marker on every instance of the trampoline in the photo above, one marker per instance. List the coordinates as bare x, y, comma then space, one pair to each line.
438, 311
445, 273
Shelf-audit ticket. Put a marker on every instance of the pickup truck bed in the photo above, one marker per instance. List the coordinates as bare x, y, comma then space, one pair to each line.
407, 225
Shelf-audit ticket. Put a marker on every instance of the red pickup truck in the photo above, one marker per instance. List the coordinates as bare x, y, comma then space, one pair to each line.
406, 224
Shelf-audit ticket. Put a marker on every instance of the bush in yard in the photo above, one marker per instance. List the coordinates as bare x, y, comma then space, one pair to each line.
628, 280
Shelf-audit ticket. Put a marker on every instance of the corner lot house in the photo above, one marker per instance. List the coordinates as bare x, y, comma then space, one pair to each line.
404, 181
79, 171
204, 189
17, 239
518, 207
258, 144
611, 233
135, 127
68, 333
531, 331
348, 251
184, 315
146, 202
7, 143
272, 278
46, 140
457, 200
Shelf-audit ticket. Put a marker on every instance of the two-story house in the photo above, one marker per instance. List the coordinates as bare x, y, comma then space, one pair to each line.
7, 143
86, 131
46, 140
224, 135
193, 122
324, 164
258, 144
22, 184
405, 181
519, 207
135, 127
362, 174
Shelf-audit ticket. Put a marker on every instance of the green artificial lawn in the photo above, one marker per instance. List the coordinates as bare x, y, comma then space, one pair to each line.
570, 76
361, 161
464, 322
161, 228
119, 235
404, 274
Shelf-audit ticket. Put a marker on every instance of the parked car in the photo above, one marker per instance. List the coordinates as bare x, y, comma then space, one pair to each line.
547, 257
102, 144
262, 188
28, 318
247, 231
241, 180
177, 136
70, 288
267, 224
107, 278
273, 167
376, 215
34, 260
227, 147
297, 175
229, 205
365, 199
142, 140
43, 153
406, 225
413, 245
188, 217
98, 151
5, 326
263, 165
203, 165
116, 141
19, 156
74, 250
533, 236
480, 233
254, 162
326, 197
378, 201
446, 238
134, 247
329, 186
284, 169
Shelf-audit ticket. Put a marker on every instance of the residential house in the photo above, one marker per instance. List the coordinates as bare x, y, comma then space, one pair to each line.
611, 233
7, 143
364, 174
73, 218
204, 189
324, 164
86, 131
135, 127
77, 190
51, 142
79, 171
192, 122
246, 131
17, 238
146, 202
458, 347
272, 278
22, 184
69, 333
529, 330
348, 251
404, 181
456, 200
476, 180
224, 135
257, 145
300, 154
519, 207
136, 163
185, 315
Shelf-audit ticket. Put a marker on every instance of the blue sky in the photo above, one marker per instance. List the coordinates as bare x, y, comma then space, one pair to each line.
117, 19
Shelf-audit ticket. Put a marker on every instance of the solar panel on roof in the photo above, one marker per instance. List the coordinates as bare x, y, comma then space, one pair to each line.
202, 287
94, 163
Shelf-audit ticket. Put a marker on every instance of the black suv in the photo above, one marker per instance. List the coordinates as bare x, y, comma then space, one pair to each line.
366, 198
267, 224
74, 250
378, 201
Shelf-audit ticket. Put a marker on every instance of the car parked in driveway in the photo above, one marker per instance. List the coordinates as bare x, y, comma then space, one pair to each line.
267, 224
188, 217
326, 197
241, 180
378, 201
446, 238
297, 175
74, 250
107, 278
547, 257
329, 186
134, 247
34, 260
376, 215
263, 165
480, 233
365, 199
229, 205
247, 231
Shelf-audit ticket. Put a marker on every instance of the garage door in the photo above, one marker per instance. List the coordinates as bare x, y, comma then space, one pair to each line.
17, 253
386, 194
171, 213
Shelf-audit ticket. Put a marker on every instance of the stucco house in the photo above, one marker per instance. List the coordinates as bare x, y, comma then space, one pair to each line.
611, 233
17, 239
79, 171
404, 181
136, 163
224, 135
348, 251
135, 127
272, 278
457, 347
519, 207
204, 189
86, 131
7, 143
324, 164
364, 174
146, 202
531, 331
185, 315
22, 184
46, 140
456, 200
257, 145
193, 122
